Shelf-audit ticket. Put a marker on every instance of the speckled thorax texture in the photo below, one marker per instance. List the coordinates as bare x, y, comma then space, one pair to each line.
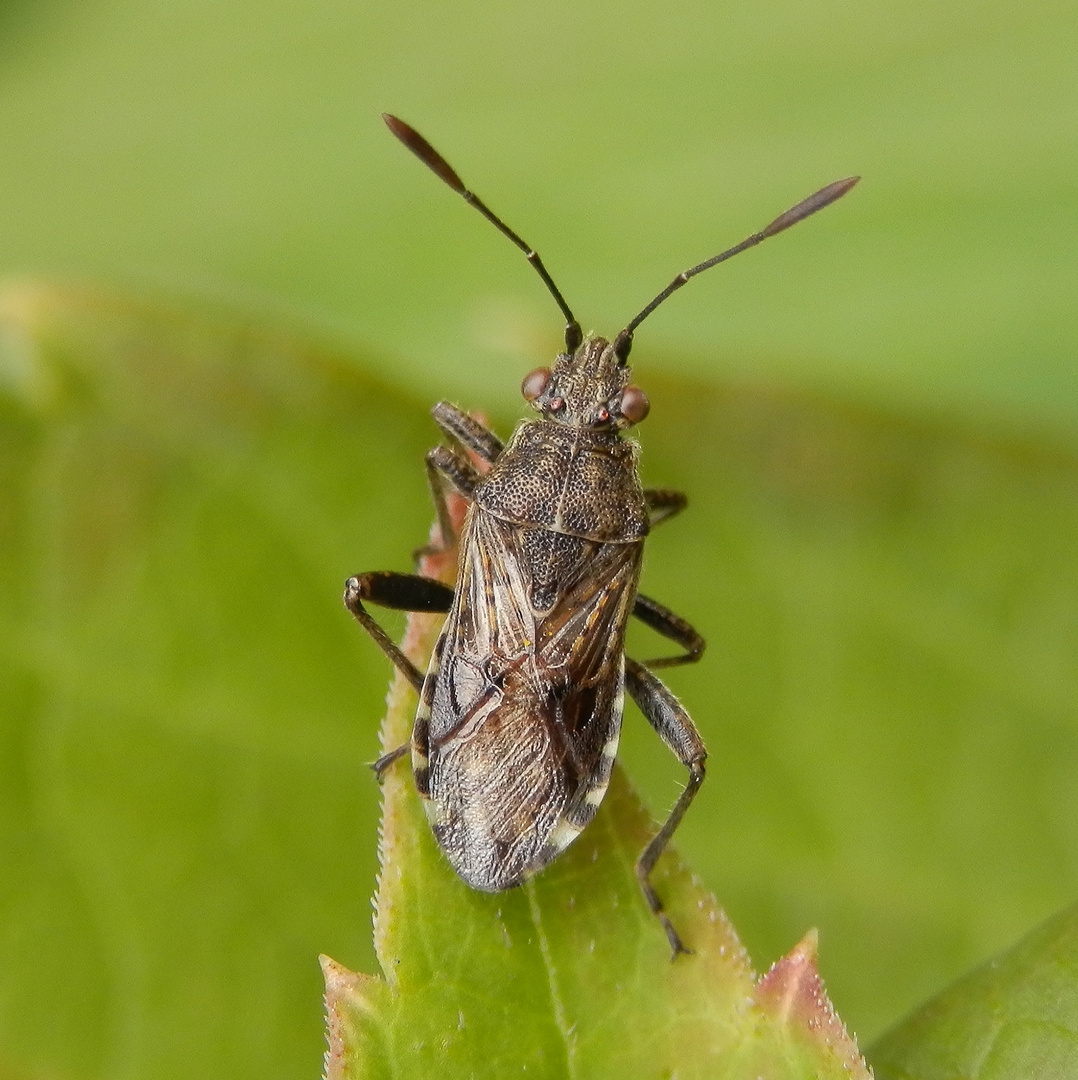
568, 480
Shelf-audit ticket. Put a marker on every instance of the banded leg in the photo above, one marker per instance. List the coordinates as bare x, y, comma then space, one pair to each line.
674, 726
672, 626
663, 504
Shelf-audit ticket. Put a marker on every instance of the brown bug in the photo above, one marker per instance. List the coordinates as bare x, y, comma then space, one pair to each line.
520, 708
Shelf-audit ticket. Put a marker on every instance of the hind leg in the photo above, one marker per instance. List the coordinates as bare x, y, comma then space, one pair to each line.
674, 726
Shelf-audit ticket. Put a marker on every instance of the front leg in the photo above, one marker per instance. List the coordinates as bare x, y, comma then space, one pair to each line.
468, 432
675, 727
663, 504
446, 467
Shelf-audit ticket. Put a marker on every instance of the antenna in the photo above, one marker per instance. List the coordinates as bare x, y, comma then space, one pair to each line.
440, 167
824, 197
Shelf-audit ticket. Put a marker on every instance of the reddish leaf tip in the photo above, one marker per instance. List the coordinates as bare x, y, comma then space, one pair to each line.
349, 998
793, 993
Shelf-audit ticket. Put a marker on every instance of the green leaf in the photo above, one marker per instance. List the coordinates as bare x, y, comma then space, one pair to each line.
569, 975
1015, 1018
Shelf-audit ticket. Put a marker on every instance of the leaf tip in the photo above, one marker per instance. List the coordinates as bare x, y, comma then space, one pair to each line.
351, 999
793, 994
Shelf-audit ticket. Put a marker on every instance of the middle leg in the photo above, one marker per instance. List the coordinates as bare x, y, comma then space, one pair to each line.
672, 626
404, 592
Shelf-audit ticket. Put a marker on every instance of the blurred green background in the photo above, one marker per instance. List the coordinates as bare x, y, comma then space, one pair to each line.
875, 416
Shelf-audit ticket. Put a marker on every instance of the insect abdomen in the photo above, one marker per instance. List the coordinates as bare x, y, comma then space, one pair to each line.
504, 798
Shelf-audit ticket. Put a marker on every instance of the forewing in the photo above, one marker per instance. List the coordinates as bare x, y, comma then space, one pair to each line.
526, 699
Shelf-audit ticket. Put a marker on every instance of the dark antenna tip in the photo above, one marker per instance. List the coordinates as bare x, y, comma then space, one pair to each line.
824, 197
440, 167
817, 201
424, 151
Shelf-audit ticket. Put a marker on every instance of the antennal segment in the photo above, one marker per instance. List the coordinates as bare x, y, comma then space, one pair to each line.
438, 165
824, 197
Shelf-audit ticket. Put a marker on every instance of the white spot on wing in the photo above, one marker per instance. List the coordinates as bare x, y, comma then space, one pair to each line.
610, 747
562, 835
595, 795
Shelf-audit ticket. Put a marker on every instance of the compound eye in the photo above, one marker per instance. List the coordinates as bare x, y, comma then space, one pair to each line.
535, 382
634, 404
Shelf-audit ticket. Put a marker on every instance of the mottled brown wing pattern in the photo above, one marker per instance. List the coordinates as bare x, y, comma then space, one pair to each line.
521, 708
